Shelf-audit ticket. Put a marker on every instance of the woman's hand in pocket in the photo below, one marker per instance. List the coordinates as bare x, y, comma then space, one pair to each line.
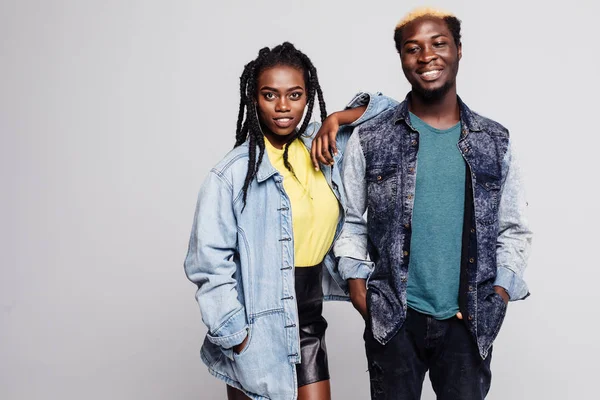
240, 347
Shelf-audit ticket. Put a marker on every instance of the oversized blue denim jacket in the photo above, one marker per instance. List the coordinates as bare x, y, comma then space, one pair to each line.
243, 265
380, 168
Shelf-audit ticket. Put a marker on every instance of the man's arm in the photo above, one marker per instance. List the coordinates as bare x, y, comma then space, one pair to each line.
351, 246
514, 239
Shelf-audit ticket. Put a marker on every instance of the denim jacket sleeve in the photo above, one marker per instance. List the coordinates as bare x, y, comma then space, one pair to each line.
351, 246
514, 238
209, 262
376, 104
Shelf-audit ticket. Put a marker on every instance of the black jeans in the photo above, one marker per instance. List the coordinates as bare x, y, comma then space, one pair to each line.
445, 348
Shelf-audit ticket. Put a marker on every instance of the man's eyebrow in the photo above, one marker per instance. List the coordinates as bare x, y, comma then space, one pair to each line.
433, 37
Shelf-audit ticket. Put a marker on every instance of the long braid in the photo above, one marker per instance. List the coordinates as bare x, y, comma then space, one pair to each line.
242, 129
313, 86
249, 128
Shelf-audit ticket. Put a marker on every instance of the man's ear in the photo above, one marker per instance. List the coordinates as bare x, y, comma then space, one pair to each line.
459, 51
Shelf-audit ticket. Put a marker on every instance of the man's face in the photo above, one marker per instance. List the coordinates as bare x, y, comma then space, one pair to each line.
429, 57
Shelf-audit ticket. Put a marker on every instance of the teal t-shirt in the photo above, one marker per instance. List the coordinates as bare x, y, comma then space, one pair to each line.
437, 222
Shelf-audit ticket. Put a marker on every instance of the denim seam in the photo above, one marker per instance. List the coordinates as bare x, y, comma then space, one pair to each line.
248, 262
222, 178
227, 322
230, 162
266, 313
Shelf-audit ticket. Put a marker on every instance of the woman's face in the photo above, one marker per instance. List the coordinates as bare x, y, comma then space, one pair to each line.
281, 102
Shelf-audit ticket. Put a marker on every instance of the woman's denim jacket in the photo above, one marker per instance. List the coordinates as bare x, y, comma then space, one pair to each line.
243, 265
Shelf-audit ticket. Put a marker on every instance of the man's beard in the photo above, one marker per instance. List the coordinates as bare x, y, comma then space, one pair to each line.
433, 95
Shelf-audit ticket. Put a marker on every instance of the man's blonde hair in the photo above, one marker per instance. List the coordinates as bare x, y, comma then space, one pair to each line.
423, 12
450, 19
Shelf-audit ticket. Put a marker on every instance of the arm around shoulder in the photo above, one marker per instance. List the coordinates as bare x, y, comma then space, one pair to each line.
337, 128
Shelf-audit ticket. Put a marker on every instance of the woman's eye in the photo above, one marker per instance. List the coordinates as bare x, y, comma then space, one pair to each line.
296, 96
269, 96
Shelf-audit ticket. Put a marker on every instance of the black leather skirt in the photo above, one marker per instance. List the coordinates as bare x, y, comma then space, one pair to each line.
309, 296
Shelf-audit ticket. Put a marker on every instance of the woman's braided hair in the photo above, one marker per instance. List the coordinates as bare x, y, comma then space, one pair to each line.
248, 124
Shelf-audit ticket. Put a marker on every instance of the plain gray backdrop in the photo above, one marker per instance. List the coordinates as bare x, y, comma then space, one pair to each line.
112, 113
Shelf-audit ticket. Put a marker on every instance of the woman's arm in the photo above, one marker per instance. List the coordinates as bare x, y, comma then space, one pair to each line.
210, 265
363, 107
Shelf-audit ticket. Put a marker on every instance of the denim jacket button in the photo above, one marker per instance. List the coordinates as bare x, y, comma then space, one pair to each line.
471, 260
470, 318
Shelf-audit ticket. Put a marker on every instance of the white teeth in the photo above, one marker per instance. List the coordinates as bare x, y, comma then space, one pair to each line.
284, 119
430, 73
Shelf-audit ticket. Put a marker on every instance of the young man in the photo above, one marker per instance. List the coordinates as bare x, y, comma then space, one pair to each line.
445, 228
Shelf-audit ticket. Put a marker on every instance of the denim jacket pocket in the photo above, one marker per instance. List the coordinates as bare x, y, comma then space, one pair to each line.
382, 186
248, 343
487, 198
260, 366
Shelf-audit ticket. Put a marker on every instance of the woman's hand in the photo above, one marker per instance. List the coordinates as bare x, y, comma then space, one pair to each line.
323, 145
240, 347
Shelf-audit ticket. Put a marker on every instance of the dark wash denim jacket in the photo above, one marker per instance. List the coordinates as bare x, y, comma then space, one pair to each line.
380, 166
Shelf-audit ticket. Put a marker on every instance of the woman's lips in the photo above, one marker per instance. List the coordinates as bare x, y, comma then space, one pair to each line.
283, 122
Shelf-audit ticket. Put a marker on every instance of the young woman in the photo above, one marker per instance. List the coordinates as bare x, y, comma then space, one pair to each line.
265, 222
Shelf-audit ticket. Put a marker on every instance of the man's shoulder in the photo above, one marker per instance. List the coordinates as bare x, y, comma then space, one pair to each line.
380, 122
490, 126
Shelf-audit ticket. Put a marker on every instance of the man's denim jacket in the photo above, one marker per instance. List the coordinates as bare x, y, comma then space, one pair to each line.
243, 265
380, 167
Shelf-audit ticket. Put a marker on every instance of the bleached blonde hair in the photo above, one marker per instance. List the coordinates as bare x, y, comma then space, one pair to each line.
450, 19
423, 12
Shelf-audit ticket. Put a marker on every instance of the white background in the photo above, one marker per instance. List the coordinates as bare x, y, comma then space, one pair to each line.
112, 112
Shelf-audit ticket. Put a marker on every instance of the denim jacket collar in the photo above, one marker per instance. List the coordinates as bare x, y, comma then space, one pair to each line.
265, 169
467, 118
